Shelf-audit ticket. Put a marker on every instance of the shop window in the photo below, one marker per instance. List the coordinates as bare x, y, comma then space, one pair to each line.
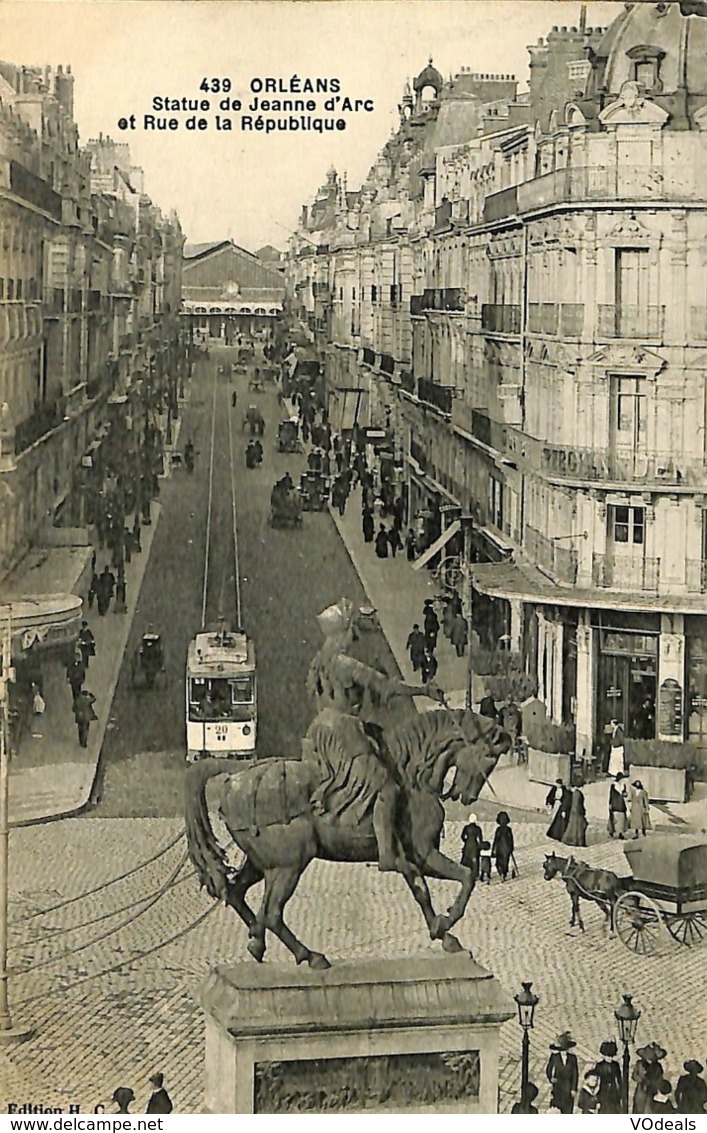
629, 525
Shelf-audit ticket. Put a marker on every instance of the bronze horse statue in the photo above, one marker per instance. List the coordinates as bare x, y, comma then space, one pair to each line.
269, 812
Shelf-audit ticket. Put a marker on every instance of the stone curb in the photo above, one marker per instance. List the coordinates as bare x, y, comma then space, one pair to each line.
67, 810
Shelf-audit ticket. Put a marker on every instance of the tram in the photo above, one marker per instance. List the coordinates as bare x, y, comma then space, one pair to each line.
221, 696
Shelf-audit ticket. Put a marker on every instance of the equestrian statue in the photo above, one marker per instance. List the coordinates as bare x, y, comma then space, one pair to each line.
359, 794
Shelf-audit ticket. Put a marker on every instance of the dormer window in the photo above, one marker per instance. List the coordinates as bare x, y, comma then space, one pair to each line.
645, 67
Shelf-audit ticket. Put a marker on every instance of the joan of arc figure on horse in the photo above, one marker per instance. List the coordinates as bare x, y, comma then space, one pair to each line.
356, 776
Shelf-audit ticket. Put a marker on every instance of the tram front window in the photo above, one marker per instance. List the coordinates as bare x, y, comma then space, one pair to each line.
220, 699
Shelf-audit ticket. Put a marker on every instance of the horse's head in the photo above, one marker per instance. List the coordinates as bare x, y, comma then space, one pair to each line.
552, 866
476, 746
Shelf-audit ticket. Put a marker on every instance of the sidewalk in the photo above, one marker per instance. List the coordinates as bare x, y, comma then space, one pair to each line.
397, 592
50, 775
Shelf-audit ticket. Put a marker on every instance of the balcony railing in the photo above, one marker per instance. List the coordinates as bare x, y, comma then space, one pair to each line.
629, 322
613, 183
416, 305
437, 299
696, 576
698, 324
433, 394
626, 574
44, 418
25, 184
500, 318
543, 318
560, 561
571, 320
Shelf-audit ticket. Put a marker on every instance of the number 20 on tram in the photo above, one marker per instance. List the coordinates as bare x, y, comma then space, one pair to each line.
221, 696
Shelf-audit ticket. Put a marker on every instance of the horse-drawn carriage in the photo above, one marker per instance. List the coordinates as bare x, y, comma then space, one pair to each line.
253, 421
664, 896
667, 893
285, 506
148, 661
288, 436
314, 490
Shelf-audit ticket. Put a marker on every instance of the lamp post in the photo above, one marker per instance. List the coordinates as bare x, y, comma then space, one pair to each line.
467, 527
627, 1017
526, 1003
9, 1032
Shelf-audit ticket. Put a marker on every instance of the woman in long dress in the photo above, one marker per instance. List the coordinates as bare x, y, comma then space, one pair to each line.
576, 832
639, 818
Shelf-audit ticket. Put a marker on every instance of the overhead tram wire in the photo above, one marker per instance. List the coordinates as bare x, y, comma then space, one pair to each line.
149, 902
210, 503
67, 929
124, 963
104, 884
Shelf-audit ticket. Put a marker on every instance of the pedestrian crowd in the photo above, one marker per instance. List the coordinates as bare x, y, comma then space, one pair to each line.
421, 644
103, 589
601, 1088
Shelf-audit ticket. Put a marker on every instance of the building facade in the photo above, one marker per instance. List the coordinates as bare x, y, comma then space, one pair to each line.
518, 291
89, 299
228, 291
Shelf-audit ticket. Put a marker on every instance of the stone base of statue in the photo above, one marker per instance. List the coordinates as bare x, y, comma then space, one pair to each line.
417, 1035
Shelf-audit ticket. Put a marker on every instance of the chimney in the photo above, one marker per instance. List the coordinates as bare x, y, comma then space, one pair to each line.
64, 89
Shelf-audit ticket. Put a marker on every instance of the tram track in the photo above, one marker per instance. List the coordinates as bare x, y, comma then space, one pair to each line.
215, 512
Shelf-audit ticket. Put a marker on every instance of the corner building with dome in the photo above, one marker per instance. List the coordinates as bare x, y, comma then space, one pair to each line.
515, 300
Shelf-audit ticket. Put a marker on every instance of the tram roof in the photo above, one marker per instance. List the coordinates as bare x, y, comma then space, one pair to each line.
216, 654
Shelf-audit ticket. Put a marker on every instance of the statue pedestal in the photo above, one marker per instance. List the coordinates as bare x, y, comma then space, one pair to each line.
417, 1035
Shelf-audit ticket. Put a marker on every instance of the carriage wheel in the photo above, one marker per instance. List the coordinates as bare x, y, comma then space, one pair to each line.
688, 928
639, 923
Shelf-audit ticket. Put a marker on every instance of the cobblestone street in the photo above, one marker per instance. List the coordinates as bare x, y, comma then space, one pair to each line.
96, 1031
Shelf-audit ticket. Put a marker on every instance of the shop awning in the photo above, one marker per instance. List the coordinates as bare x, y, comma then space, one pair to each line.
527, 583
437, 546
347, 409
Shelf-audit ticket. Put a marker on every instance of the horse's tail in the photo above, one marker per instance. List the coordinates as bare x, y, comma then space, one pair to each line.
207, 856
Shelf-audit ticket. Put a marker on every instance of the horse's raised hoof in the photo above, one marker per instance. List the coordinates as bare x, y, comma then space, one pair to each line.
439, 927
256, 949
318, 962
451, 944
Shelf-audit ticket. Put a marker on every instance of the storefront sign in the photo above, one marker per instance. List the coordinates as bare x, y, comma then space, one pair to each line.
629, 644
583, 463
670, 709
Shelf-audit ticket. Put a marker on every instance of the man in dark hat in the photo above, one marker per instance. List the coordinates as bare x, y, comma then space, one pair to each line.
691, 1090
608, 1075
563, 1073
160, 1101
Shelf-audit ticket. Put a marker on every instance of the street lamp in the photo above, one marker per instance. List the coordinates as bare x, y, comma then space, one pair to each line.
627, 1017
526, 1003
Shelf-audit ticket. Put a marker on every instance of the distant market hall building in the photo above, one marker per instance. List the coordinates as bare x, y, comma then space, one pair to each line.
228, 292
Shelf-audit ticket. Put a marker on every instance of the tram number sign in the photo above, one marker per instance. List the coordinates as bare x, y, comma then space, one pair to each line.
221, 732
